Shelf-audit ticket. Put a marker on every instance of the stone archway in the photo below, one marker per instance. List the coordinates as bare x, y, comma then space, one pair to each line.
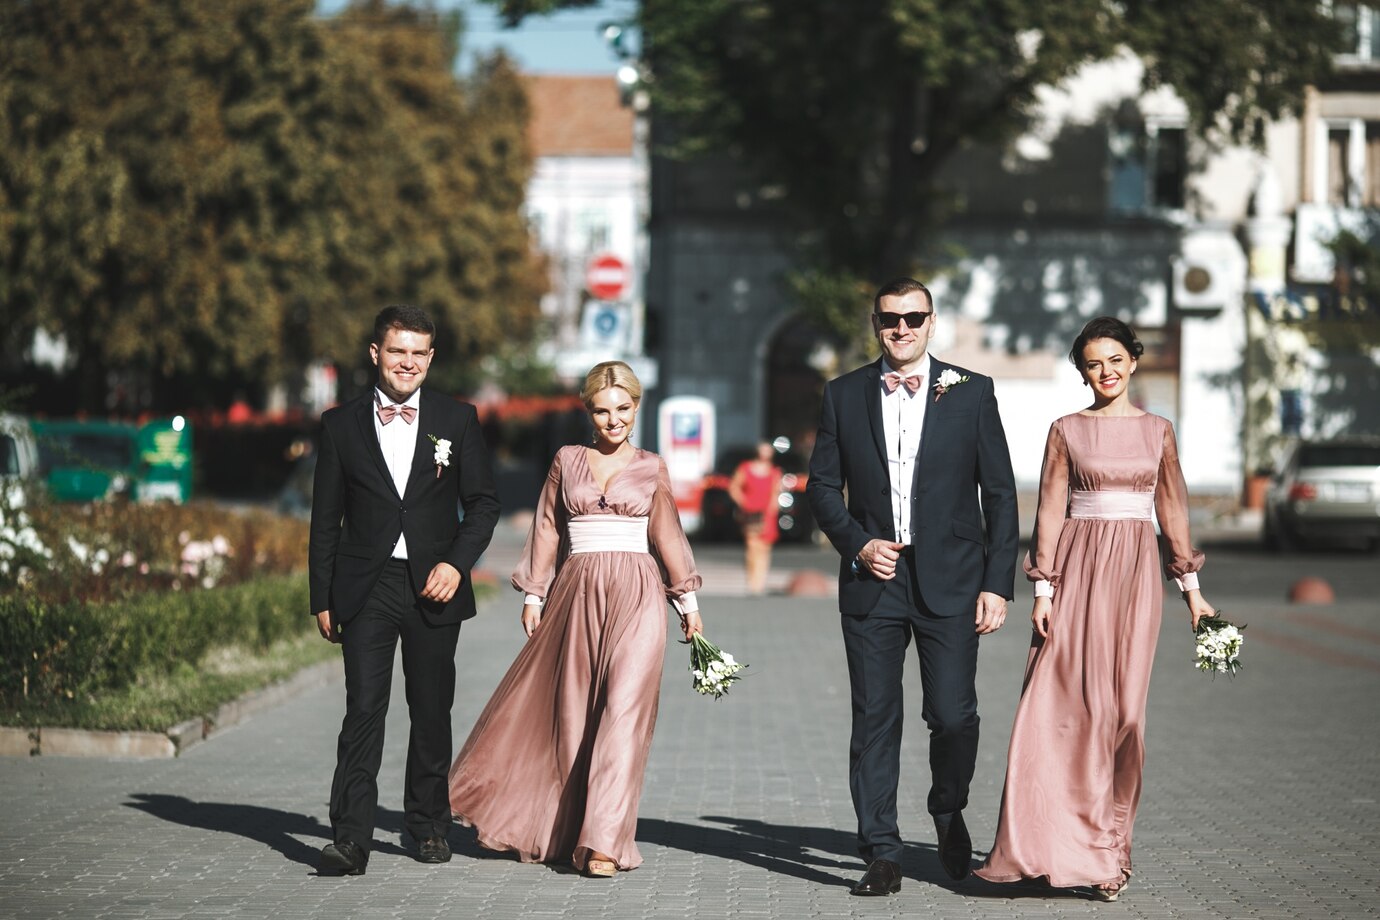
800, 358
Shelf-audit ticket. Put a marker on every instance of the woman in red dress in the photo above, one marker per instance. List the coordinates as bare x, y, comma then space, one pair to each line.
755, 487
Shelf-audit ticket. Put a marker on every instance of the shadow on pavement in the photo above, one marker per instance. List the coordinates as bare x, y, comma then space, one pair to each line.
814, 854
272, 827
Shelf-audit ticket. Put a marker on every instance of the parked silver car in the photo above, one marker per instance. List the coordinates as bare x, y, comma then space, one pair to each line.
1325, 491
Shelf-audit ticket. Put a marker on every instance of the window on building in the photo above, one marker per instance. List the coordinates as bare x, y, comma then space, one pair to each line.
1360, 30
1338, 165
592, 230
1169, 164
1149, 168
1347, 171
1370, 196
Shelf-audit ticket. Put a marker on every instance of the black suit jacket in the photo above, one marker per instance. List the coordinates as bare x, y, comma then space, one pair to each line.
964, 494
357, 514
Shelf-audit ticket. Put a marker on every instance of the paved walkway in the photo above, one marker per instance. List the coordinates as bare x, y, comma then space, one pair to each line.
1260, 799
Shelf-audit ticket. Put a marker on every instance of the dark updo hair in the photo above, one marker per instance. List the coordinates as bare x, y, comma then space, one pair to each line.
1105, 327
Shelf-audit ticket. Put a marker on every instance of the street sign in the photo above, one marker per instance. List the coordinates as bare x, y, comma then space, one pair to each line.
607, 277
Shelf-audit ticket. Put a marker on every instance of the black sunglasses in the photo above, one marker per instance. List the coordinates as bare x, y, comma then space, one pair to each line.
892, 320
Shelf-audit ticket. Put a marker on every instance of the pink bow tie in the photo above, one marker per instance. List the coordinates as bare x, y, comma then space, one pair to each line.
893, 380
386, 413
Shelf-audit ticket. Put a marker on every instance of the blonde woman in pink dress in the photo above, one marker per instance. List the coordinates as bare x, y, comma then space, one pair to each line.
1073, 775
553, 768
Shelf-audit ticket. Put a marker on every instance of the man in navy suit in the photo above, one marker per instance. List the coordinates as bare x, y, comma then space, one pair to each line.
390, 560
911, 481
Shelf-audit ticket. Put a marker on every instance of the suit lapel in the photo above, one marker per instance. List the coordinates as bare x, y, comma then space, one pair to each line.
936, 368
365, 417
424, 451
872, 392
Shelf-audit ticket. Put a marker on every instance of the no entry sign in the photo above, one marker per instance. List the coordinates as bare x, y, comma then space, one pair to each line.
607, 277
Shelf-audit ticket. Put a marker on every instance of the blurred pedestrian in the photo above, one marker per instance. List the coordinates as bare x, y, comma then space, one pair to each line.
553, 769
390, 560
911, 481
1073, 775
755, 488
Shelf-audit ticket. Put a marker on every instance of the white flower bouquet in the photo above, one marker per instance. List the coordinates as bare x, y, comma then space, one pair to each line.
713, 669
1218, 646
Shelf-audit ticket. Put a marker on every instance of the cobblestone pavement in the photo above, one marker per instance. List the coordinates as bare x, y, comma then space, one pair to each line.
1260, 798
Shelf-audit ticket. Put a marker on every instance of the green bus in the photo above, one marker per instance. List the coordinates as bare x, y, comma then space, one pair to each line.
82, 461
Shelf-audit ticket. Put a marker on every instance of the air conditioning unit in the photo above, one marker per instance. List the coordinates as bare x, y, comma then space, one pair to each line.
1198, 285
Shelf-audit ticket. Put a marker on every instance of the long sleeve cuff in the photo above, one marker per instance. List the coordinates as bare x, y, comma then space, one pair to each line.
1044, 588
686, 603
534, 600
1187, 582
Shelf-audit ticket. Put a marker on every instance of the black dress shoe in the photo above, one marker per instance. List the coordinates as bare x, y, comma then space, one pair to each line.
343, 857
955, 846
882, 877
433, 850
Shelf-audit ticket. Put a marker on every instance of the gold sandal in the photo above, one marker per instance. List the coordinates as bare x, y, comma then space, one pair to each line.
600, 868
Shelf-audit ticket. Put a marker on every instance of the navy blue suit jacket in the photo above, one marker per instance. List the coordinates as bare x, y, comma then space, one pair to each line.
964, 495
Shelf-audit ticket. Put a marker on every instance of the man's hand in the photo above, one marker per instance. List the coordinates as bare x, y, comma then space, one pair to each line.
879, 557
991, 612
326, 627
441, 583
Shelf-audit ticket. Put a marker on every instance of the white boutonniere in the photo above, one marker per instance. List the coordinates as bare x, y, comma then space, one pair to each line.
442, 455
949, 379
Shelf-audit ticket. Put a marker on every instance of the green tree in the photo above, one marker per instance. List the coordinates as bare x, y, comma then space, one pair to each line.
198, 196
851, 110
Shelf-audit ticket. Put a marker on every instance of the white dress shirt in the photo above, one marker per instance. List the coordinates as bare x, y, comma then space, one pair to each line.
903, 417
398, 441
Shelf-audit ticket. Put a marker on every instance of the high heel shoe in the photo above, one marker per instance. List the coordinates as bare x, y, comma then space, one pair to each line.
1111, 894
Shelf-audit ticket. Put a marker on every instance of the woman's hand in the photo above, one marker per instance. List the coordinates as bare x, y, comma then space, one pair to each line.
1198, 607
1039, 616
690, 623
531, 618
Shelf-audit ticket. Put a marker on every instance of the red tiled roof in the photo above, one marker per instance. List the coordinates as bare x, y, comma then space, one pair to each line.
578, 116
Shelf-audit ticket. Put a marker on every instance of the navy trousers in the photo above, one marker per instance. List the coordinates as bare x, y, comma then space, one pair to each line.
876, 647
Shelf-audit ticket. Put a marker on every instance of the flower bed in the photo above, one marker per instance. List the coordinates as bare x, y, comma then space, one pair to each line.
162, 609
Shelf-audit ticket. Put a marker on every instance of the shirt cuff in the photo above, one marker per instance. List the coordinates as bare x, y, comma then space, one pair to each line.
534, 600
1187, 582
686, 603
1043, 588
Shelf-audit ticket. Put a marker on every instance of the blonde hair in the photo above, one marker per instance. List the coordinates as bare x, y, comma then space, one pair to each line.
606, 375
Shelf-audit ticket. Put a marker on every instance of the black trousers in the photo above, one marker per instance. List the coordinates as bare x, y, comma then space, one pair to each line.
876, 646
428, 652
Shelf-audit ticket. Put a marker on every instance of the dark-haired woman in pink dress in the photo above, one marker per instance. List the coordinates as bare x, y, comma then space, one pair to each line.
553, 768
1073, 775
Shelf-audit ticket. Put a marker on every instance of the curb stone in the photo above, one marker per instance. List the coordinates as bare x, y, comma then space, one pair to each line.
73, 742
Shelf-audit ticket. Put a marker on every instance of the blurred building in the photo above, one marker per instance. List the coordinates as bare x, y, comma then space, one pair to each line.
1108, 205
586, 205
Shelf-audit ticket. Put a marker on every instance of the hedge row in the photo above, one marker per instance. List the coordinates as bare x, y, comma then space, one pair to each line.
50, 651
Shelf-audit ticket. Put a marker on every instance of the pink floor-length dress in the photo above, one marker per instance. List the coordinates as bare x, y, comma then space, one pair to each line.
1073, 775
553, 769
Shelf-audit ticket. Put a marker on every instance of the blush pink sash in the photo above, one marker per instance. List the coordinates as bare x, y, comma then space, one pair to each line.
607, 533
1112, 506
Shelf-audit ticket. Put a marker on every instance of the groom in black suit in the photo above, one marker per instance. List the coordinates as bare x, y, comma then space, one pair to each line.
911, 481
402, 507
